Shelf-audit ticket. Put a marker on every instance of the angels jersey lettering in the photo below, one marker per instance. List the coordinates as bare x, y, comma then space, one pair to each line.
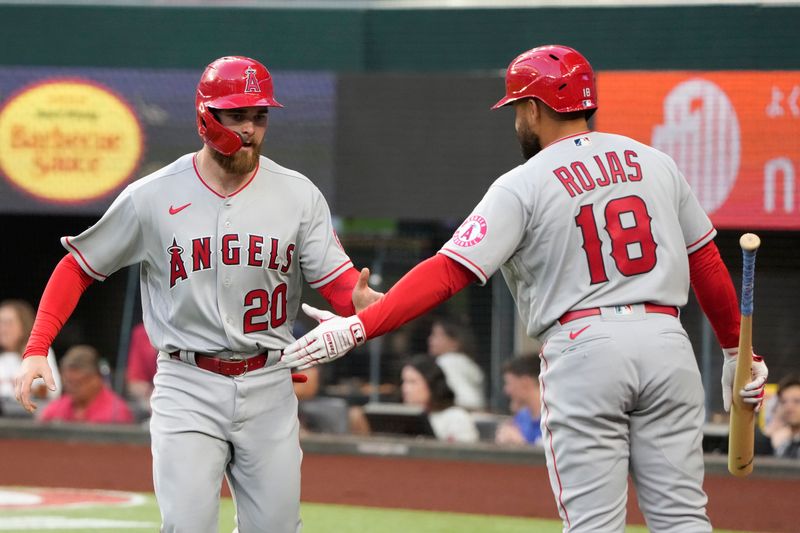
204, 257
582, 225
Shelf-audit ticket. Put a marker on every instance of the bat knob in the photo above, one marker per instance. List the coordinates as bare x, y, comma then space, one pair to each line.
749, 242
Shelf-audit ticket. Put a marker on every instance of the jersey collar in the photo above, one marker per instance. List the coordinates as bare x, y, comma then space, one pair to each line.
234, 193
585, 132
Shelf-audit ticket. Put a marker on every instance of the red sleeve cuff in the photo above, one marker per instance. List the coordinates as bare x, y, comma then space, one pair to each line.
339, 292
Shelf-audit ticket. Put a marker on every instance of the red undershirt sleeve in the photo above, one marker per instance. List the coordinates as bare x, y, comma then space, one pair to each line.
715, 293
67, 283
339, 292
424, 287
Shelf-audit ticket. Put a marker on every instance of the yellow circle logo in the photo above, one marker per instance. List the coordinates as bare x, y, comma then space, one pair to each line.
68, 140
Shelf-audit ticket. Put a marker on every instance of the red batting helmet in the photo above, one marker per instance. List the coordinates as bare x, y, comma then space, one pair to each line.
557, 75
228, 83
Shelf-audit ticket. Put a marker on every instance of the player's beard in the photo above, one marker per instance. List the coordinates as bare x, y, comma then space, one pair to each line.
241, 162
529, 142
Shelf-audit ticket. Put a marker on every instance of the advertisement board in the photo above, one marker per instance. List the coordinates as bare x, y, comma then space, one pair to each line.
72, 138
734, 134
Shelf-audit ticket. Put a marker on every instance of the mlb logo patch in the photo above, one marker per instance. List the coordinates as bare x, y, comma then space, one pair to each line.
623, 309
583, 141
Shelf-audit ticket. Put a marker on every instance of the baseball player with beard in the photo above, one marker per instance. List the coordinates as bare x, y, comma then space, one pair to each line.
225, 237
598, 237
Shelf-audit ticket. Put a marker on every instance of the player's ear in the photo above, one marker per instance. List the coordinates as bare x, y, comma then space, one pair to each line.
525, 108
537, 109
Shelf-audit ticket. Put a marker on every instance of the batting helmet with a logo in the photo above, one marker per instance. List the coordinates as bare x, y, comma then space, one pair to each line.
228, 83
557, 75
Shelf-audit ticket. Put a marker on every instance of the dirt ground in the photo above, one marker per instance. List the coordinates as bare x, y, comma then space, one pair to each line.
754, 504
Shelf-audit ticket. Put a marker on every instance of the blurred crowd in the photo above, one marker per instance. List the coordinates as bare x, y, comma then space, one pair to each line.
441, 393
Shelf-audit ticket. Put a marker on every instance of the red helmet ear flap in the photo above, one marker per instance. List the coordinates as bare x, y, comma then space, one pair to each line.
215, 134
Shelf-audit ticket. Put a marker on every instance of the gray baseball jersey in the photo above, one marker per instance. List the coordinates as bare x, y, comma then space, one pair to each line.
593, 220
602, 222
220, 274
217, 273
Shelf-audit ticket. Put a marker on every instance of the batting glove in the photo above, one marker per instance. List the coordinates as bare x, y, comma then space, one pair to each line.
753, 392
332, 338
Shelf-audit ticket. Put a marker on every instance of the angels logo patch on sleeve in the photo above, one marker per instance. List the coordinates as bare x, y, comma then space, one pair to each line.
471, 232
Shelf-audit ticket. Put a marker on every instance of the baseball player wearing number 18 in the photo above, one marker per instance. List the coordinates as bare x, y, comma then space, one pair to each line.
225, 238
598, 237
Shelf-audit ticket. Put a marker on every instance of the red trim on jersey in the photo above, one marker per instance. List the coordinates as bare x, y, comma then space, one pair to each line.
237, 191
479, 269
248, 182
552, 448
331, 273
339, 292
567, 137
701, 238
85, 262
424, 287
715, 293
67, 283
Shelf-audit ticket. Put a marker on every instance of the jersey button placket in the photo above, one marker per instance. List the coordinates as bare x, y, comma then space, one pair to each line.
225, 272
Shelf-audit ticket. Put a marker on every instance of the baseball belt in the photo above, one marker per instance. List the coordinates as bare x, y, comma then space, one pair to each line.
235, 365
569, 316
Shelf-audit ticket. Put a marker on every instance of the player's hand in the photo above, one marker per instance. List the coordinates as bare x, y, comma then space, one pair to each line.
331, 339
753, 392
509, 433
363, 295
33, 366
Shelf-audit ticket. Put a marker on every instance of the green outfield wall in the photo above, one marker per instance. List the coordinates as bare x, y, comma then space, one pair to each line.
698, 37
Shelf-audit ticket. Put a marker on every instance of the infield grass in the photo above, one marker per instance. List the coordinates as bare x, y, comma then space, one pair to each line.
317, 518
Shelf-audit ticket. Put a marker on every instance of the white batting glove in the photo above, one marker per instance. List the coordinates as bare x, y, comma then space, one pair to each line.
753, 392
332, 338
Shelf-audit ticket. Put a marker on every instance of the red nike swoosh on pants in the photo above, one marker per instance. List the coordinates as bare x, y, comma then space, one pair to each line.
176, 210
574, 334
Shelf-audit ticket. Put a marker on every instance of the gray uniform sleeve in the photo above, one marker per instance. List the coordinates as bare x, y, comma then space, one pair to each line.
322, 257
490, 235
113, 242
696, 226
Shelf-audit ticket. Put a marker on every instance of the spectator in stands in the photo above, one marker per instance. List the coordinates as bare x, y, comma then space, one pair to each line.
424, 384
772, 425
786, 439
86, 397
450, 342
16, 321
141, 368
521, 385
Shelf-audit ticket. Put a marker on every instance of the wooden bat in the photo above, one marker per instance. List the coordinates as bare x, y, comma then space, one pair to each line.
742, 422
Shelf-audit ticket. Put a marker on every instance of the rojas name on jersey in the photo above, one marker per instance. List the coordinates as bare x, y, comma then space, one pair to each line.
603, 171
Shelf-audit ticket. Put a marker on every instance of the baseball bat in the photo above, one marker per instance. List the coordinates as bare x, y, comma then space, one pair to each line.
742, 422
